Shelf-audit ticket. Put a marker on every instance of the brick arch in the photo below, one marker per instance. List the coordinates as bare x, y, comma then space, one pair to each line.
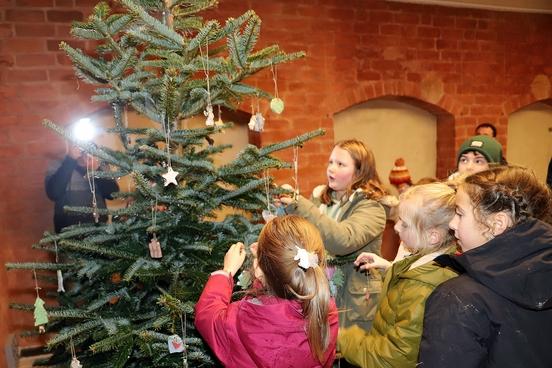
515, 103
397, 91
404, 89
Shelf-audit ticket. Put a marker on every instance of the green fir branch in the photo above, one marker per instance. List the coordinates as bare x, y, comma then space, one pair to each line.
238, 192
250, 35
85, 247
66, 334
85, 63
297, 141
156, 25
94, 305
39, 266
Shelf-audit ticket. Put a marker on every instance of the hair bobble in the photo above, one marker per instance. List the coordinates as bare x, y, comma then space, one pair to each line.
306, 259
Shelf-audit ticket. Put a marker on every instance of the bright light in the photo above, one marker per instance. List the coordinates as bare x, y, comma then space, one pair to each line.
83, 130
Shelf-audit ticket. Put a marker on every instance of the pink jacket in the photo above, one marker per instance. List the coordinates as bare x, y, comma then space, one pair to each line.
257, 332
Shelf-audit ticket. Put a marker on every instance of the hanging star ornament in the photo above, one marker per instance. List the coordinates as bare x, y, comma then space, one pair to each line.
170, 176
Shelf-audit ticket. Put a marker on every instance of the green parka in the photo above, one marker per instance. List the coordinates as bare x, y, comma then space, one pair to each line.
357, 228
394, 339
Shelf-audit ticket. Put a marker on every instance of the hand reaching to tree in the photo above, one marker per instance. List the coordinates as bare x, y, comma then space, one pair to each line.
234, 258
366, 261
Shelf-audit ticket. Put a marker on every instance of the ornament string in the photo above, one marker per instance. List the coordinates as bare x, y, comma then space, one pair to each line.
275, 79
167, 132
36, 283
296, 171
185, 355
267, 189
90, 174
154, 216
205, 63
72, 348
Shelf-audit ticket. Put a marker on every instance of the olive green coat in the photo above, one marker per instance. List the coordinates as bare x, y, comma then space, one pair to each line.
357, 228
394, 339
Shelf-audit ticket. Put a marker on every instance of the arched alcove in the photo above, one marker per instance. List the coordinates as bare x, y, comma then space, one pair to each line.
400, 127
529, 140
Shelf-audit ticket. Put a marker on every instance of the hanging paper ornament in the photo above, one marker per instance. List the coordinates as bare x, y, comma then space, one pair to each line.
256, 123
170, 176
176, 345
40, 314
75, 363
277, 105
210, 121
244, 279
96, 215
60, 288
268, 215
155, 247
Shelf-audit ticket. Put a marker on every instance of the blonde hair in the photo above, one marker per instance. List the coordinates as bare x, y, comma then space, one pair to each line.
285, 279
432, 206
366, 176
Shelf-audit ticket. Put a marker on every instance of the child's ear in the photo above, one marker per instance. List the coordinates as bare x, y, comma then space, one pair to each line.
501, 221
434, 236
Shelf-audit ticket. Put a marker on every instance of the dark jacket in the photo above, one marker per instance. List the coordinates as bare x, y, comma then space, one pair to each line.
67, 185
498, 313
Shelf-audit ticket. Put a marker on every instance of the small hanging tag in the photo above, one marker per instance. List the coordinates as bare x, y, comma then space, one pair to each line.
96, 215
40, 315
256, 123
60, 288
176, 345
267, 215
170, 176
75, 363
155, 247
210, 121
277, 105
251, 123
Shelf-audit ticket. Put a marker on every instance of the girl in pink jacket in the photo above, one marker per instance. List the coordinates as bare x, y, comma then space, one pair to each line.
290, 321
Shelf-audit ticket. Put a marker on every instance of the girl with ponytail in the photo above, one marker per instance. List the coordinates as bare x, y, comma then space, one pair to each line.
291, 320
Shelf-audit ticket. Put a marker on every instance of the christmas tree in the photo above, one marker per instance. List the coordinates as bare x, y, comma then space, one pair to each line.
132, 284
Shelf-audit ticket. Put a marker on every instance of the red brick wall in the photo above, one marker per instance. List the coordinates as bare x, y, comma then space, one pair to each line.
465, 66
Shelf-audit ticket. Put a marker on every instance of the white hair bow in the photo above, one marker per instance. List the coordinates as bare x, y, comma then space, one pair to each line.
306, 259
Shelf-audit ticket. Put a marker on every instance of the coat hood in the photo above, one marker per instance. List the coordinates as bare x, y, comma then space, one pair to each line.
516, 264
275, 333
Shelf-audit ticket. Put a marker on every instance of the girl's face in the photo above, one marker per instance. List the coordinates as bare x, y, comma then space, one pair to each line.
341, 170
405, 228
469, 232
472, 162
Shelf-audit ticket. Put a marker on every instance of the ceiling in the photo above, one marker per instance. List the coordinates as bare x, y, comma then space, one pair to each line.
524, 6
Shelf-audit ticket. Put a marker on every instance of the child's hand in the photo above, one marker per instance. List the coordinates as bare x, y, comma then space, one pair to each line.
234, 258
253, 248
286, 198
256, 269
366, 261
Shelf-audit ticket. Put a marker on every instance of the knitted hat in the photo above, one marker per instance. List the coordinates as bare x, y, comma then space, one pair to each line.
487, 146
399, 174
